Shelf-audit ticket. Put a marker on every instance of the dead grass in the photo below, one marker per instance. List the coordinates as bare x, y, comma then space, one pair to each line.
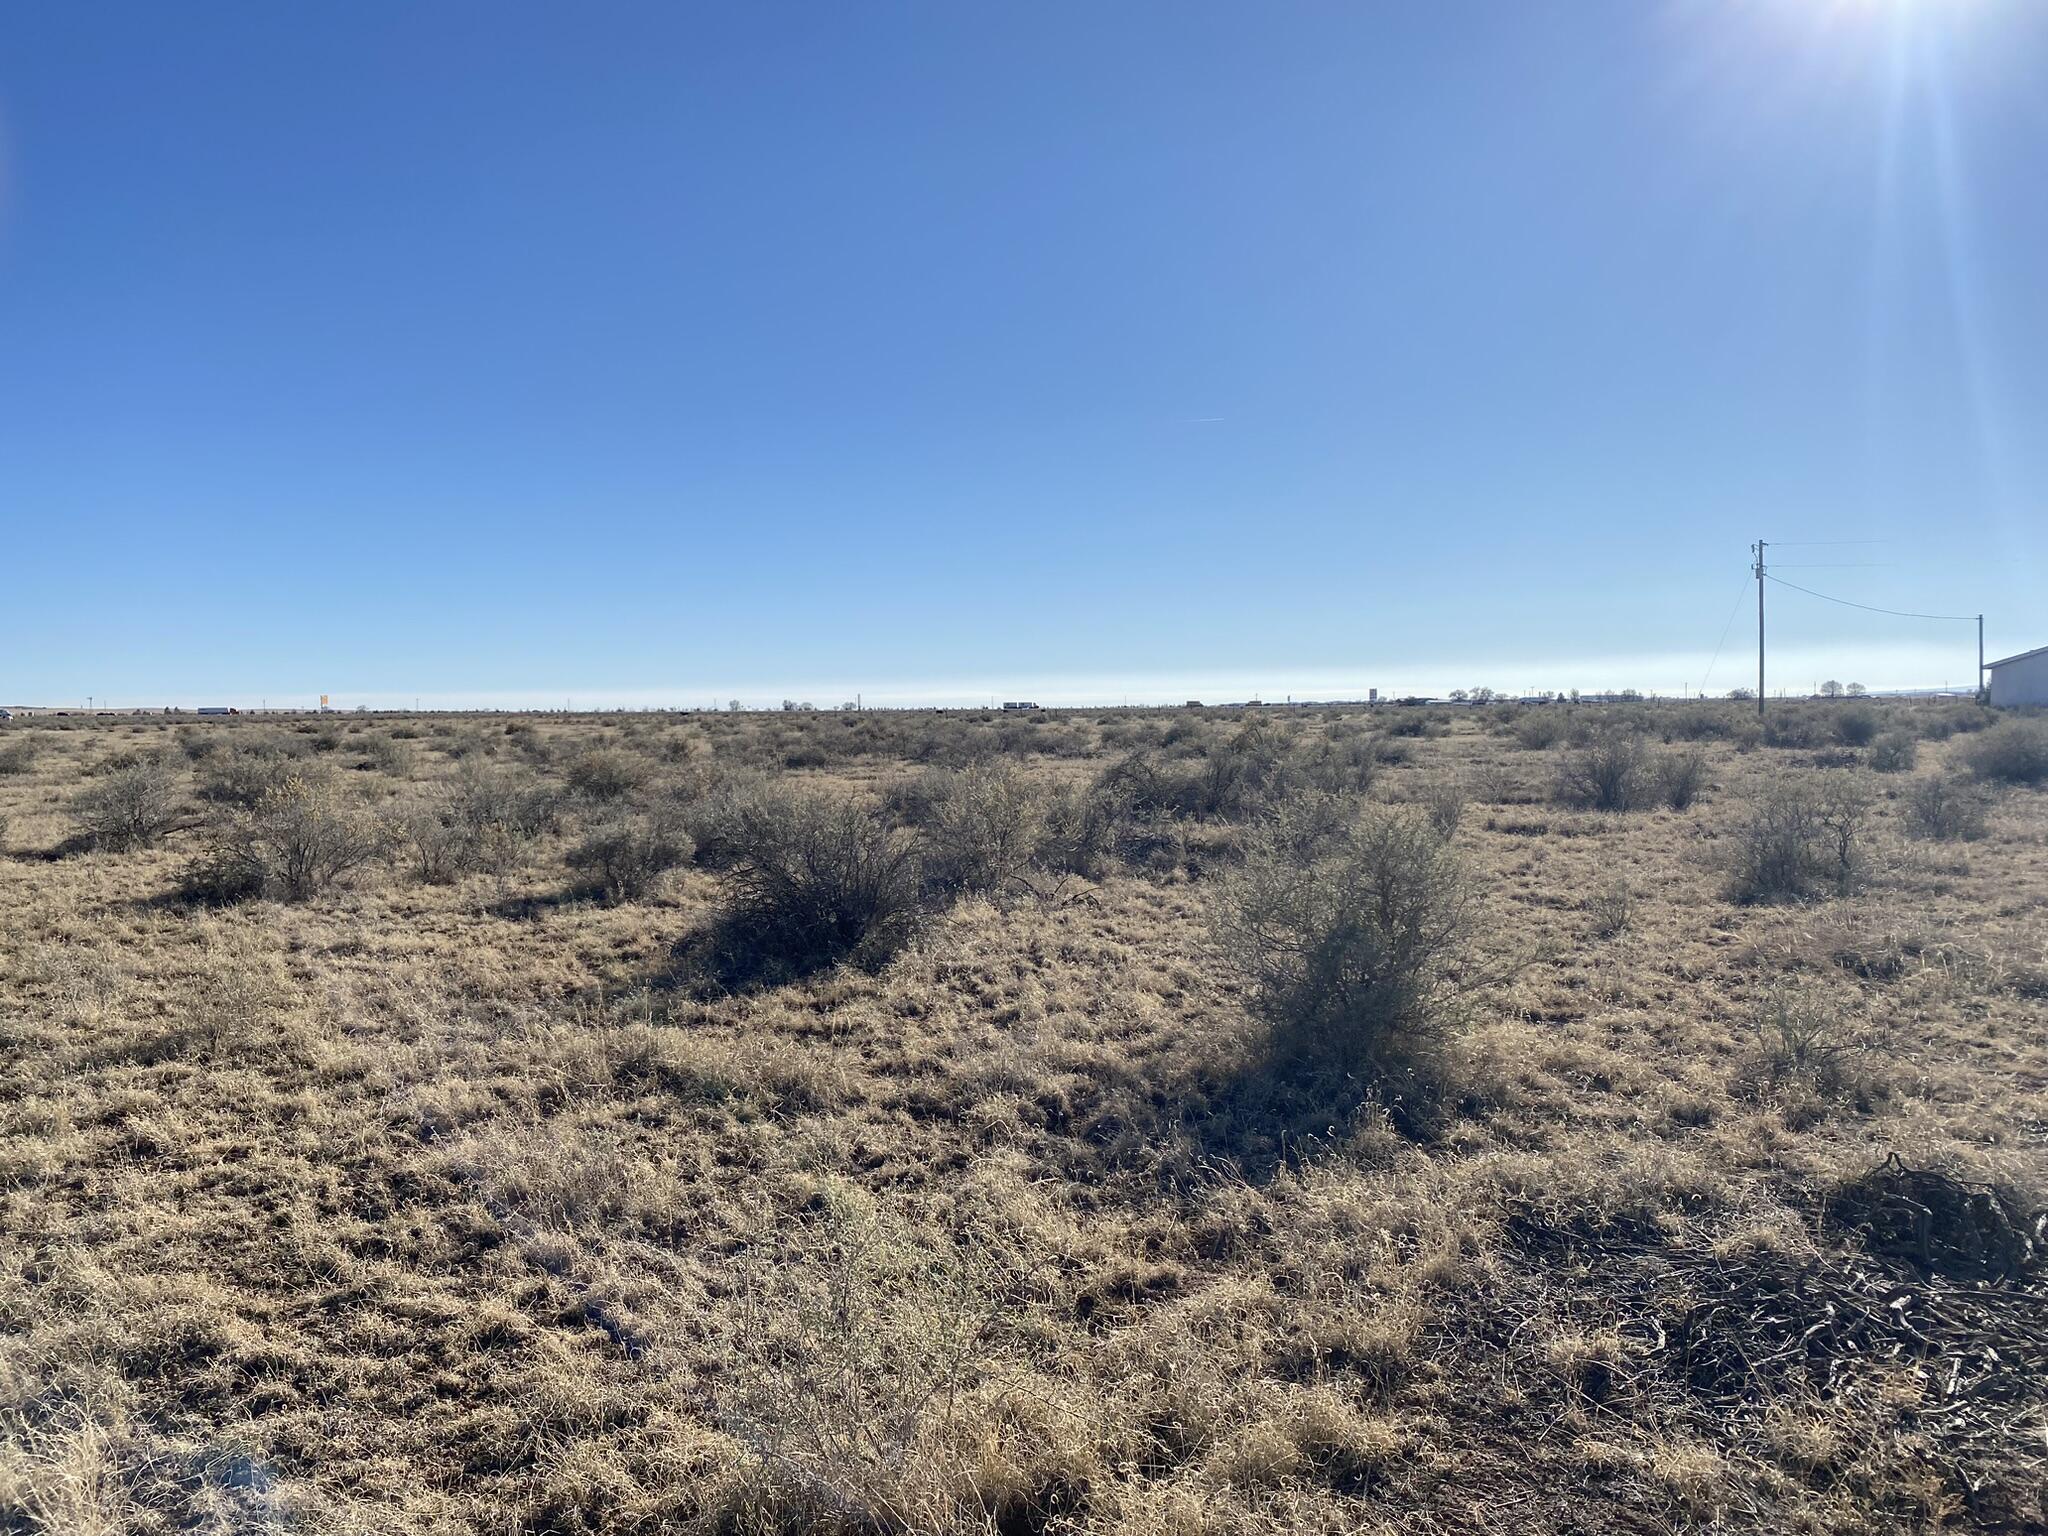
441, 1200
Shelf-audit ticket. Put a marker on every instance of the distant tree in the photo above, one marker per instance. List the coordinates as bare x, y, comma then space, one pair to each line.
733, 706
1458, 695
1741, 693
1857, 690
1481, 695
1831, 689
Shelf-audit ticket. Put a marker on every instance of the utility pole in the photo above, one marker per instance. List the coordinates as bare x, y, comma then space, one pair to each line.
1980, 655
1759, 629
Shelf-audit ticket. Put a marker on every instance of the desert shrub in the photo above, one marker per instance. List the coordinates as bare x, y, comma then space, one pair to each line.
478, 822
1796, 727
981, 827
18, 756
1856, 725
1774, 855
1082, 829
1844, 804
2013, 752
434, 847
1803, 840
679, 748
1443, 800
1343, 763
606, 773
815, 882
1803, 1042
385, 755
1542, 728
1235, 780
1612, 909
296, 841
507, 801
1894, 752
855, 1351
1680, 778
910, 801
459, 745
1146, 814
1138, 733
132, 806
1140, 788
717, 811
1496, 784
1702, 722
1958, 720
1948, 808
624, 853
244, 775
1612, 773
1350, 941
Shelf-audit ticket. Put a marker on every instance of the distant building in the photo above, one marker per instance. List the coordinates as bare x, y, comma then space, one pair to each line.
2021, 679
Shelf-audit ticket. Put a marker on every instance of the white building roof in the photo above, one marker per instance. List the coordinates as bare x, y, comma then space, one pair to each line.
2039, 650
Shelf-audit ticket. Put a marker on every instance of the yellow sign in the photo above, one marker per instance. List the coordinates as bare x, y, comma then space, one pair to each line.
323, 701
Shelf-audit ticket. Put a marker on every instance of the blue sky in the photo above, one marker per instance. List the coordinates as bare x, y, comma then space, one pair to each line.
665, 353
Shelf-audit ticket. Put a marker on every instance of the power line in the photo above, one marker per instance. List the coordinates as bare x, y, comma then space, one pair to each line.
1960, 618
1740, 593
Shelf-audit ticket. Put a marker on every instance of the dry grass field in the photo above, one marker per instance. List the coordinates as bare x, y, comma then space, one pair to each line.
1618, 1119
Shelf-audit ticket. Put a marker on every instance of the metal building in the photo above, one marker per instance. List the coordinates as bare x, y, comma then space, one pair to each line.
2021, 679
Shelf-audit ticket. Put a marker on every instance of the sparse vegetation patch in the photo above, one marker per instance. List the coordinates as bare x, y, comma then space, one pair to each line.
1226, 1120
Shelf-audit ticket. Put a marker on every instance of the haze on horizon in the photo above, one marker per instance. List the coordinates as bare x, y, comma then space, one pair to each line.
663, 354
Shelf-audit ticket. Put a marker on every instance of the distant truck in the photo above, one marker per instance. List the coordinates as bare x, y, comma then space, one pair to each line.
217, 709
1026, 707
